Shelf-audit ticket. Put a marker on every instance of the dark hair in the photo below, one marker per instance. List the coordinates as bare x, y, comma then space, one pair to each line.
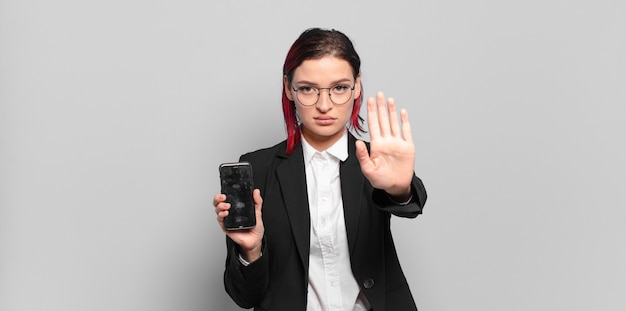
315, 43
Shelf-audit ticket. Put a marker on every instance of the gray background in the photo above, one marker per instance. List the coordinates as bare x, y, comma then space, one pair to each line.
114, 116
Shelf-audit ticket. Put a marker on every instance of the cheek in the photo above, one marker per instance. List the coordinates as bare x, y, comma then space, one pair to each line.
348, 111
300, 113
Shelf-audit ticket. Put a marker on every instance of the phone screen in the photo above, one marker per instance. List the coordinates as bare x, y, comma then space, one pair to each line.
237, 185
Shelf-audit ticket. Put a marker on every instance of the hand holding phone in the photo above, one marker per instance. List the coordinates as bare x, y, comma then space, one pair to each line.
237, 185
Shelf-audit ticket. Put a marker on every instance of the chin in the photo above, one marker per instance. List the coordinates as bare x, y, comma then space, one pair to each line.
325, 131
329, 133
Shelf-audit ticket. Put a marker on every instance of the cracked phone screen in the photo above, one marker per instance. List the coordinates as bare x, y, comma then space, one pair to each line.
237, 185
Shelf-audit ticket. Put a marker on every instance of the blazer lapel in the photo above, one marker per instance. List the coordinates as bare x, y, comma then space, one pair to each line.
292, 179
351, 187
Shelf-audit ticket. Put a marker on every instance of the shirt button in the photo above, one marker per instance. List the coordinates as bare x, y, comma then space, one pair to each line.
369, 283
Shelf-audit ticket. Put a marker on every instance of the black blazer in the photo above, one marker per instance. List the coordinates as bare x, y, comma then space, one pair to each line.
278, 280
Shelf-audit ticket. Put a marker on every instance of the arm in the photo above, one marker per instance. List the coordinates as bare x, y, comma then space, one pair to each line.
245, 284
410, 210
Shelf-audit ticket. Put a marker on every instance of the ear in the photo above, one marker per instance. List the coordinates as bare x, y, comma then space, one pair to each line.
357, 87
287, 88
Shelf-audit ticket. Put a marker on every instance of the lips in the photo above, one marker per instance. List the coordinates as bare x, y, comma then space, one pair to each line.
324, 120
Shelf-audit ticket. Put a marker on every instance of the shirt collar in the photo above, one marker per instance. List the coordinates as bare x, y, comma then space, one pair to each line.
338, 150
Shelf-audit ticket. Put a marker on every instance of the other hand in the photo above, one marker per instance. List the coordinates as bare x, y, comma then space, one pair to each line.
249, 240
390, 163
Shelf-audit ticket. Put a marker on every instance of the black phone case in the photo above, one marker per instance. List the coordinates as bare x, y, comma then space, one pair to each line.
237, 185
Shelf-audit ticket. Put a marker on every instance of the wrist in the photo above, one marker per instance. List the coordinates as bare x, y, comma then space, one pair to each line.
400, 195
252, 254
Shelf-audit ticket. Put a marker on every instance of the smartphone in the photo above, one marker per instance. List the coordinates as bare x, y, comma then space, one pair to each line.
237, 185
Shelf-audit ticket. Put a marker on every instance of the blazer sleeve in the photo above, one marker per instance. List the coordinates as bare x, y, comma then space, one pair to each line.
246, 285
410, 210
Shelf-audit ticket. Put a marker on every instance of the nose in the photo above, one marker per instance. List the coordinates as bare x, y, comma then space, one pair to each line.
323, 101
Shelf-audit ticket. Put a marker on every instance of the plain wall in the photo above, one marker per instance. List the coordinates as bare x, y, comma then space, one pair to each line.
114, 116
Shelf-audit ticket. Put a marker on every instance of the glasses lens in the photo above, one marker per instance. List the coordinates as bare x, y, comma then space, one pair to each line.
307, 96
307, 99
340, 94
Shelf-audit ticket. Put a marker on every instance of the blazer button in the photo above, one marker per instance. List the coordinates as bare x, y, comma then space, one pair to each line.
369, 283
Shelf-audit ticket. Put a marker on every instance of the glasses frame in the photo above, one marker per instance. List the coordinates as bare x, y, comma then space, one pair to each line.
319, 91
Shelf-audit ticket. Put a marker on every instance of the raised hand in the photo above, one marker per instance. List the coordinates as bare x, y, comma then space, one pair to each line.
390, 163
249, 240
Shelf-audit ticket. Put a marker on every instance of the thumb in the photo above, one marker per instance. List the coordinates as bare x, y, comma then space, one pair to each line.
363, 155
258, 201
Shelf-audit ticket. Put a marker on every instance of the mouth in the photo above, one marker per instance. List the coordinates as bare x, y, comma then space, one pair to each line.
324, 120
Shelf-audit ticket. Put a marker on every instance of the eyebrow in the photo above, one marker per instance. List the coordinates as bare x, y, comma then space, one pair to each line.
343, 80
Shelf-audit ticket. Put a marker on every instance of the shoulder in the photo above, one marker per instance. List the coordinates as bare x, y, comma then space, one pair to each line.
273, 150
265, 155
263, 162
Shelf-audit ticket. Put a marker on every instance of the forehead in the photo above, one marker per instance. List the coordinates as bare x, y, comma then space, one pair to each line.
325, 69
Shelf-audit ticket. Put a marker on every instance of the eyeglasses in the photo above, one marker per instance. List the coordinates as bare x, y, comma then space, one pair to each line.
309, 95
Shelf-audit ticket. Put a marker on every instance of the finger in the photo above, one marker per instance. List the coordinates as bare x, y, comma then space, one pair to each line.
218, 198
393, 118
221, 215
406, 126
383, 114
361, 152
258, 203
372, 119
258, 200
220, 218
222, 207
363, 156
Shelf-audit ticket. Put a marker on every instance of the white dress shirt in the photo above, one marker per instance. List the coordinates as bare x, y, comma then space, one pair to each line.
332, 285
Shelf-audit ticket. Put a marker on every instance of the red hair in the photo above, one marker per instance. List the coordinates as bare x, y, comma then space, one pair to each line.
312, 44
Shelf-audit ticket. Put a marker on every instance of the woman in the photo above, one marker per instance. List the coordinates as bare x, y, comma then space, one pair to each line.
324, 198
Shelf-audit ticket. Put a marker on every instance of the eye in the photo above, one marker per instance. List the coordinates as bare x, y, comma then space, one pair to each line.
340, 89
307, 90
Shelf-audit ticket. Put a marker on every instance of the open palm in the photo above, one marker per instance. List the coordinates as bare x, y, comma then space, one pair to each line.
390, 163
